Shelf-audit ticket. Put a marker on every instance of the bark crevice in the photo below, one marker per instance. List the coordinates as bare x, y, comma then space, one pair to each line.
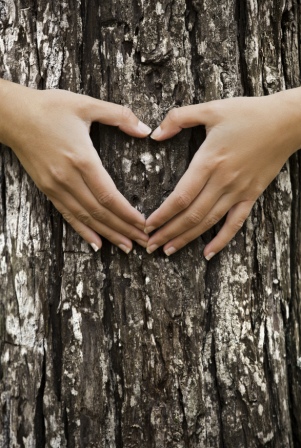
39, 419
144, 350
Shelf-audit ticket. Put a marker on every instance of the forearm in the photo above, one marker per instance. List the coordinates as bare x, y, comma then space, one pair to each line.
287, 104
13, 100
6, 89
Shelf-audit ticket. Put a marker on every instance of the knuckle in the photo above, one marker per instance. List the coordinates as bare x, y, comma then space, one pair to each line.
236, 226
105, 198
80, 104
83, 105
126, 113
211, 221
217, 163
215, 110
173, 115
182, 199
229, 179
194, 218
58, 174
99, 215
84, 218
77, 160
257, 190
131, 234
67, 217
47, 187
204, 164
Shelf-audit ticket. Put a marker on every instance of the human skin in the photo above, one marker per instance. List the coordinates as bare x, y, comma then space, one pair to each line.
49, 133
248, 140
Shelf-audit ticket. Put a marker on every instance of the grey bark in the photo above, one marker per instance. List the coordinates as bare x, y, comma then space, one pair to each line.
109, 350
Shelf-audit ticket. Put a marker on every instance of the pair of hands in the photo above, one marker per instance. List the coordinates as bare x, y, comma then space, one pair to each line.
247, 143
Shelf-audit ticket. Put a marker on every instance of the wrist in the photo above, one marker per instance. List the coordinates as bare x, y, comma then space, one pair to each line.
288, 108
6, 100
13, 100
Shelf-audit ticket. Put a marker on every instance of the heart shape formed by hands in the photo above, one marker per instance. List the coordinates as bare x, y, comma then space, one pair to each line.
226, 176
230, 170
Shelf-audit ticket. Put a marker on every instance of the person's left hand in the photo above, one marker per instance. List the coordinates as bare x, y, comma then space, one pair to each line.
248, 141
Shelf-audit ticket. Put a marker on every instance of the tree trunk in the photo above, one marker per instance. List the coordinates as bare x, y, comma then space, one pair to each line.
108, 350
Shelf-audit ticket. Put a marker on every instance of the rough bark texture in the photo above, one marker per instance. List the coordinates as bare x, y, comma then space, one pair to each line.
109, 350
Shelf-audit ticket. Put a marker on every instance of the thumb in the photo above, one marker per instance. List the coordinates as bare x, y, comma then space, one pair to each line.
180, 118
116, 115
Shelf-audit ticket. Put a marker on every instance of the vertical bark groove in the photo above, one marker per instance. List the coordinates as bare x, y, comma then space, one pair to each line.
104, 350
39, 418
54, 287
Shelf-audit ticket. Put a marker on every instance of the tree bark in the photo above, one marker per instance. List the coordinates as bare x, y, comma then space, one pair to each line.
108, 350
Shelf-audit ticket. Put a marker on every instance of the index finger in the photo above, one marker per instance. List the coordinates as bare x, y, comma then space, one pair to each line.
104, 190
180, 118
116, 115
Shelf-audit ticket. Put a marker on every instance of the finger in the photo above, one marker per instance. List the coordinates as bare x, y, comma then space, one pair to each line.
71, 216
200, 213
88, 210
188, 188
104, 190
180, 118
214, 216
235, 220
120, 116
84, 231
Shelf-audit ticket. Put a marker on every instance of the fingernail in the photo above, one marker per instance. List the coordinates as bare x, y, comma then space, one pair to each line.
157, 132
144, 128
125, 249
151, 248
149, 229
209, 256
142, 243
94, 246
171, 250
139, 226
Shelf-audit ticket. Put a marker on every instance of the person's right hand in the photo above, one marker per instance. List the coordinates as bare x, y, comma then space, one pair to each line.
49, 132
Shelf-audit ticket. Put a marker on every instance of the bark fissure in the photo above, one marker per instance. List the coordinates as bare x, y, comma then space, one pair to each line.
294, 370
39, 420
3, 196
184, 424
115, 368
241, 19
66, 427
221, 442
125, 351
55, 283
